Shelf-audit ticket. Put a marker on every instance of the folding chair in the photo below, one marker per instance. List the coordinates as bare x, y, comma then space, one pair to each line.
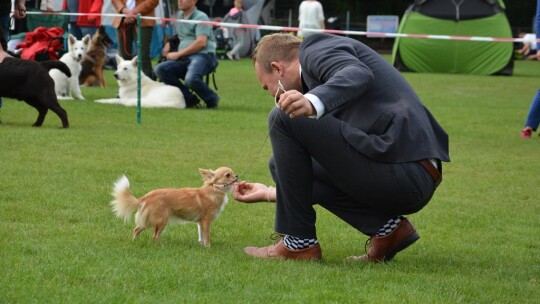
213, 75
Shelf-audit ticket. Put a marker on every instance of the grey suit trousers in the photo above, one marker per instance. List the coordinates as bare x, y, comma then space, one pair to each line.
313, 164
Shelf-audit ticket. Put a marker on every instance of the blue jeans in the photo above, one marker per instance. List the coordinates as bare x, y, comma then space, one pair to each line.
533, 119
88, 30
192, 70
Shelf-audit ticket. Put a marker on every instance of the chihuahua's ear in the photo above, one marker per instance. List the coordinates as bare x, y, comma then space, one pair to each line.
208, 175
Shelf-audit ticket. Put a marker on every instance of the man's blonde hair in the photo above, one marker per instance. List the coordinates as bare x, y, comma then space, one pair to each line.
275, 47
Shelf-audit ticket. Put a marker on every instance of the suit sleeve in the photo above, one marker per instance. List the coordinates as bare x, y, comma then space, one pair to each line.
334, 71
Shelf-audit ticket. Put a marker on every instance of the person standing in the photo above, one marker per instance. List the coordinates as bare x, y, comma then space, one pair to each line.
19, 12
236, 15
194, 58
528, 48
533, 117
126, 29
350, 134
5, 10
310, 15
89, 24
18, 8
73, 7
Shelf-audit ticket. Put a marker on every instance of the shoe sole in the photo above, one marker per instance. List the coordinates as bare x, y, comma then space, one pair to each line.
408, 241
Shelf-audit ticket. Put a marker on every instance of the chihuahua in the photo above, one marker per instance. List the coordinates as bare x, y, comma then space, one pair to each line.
200, 205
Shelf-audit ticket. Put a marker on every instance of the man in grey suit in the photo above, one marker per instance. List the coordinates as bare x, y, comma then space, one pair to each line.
349, 134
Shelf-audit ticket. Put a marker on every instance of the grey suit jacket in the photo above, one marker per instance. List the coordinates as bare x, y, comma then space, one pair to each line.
381, 115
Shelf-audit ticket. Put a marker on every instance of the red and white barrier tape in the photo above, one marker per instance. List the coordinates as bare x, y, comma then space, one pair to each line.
296, 29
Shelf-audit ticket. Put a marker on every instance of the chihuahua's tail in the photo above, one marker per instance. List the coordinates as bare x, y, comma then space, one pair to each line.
124, 203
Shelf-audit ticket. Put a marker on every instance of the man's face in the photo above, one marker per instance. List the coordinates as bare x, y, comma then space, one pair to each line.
268, 81
186, 4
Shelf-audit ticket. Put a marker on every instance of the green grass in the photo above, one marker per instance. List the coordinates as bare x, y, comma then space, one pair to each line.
60, 242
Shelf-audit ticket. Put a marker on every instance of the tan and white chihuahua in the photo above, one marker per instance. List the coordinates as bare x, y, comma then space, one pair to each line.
200, 205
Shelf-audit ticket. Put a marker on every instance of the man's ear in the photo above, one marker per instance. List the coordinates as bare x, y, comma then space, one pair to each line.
277, 67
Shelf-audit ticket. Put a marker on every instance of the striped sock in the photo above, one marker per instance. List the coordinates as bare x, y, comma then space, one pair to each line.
389, 226
294, 243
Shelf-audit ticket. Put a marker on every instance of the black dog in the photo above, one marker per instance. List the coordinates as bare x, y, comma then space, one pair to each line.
173, 42
29, 81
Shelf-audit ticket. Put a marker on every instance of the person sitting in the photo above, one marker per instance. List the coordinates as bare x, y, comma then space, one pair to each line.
195, 57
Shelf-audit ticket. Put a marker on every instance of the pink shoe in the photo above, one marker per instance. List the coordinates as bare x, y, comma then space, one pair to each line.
526, 133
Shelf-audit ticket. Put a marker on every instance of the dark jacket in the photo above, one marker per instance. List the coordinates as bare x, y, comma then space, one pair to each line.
382, 117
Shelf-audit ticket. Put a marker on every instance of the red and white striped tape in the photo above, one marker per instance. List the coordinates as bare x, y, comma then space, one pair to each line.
296, 29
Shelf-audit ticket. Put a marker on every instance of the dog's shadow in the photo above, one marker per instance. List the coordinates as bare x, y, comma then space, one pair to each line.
175, 237
16, 125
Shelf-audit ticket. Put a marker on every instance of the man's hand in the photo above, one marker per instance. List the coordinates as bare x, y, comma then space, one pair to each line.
20, 9
295, 104
173, 55
253, 192
130, 16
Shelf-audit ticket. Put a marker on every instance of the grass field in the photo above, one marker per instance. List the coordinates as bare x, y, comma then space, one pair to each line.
60, 242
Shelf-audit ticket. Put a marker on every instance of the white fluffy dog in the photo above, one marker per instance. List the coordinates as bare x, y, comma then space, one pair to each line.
66, 87
153, 94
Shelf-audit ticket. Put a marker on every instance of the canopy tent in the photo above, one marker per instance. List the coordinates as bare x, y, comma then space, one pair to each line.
484, 18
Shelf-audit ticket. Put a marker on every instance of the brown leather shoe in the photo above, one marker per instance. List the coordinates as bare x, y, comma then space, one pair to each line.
384, 248
279, 251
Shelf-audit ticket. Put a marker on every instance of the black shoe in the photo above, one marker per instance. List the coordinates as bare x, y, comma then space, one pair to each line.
193, 102
213, 105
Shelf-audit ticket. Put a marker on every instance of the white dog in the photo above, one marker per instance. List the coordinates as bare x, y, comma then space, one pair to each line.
153, 94
64, 86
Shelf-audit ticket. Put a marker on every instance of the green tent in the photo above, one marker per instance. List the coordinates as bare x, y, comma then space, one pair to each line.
483, 18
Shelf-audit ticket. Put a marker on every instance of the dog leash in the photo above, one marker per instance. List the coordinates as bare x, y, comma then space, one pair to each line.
226, 184
280, 87
123, 29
